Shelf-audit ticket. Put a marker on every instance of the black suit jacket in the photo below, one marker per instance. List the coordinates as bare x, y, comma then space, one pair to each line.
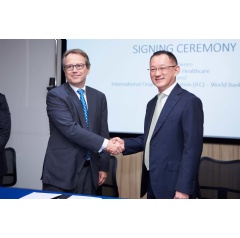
5, 130
70, 139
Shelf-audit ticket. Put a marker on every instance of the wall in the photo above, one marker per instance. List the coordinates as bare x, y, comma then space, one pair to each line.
26, 66
129, 167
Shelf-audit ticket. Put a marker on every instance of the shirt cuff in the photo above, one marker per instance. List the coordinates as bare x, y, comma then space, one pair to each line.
104, 145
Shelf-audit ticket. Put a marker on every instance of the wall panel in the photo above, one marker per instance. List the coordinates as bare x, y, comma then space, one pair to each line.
129, 167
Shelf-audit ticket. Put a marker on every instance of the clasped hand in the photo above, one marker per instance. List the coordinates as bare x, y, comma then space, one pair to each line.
115, 146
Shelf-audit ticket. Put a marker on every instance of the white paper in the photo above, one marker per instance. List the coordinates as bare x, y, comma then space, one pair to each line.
83, 197
36, 195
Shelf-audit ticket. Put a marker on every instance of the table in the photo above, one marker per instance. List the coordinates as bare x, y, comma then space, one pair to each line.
17, 193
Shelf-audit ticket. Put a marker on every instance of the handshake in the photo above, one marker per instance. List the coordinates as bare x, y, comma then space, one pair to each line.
115, 146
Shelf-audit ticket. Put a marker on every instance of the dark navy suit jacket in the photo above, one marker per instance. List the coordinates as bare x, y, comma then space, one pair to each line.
70, 139
175, 147
5, 130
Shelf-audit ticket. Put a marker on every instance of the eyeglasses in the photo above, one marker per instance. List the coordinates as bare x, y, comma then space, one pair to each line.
162, 68
70, 67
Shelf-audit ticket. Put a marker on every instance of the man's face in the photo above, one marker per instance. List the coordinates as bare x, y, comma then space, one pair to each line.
161, 74
76, 77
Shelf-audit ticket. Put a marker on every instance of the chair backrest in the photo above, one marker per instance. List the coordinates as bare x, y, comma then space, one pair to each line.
110, 187
10, 178
219, 179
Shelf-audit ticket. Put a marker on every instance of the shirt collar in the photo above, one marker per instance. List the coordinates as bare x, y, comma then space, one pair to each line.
75, 88
169, 90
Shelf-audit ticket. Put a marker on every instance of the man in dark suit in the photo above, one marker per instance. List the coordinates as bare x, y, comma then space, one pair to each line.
76, 159
5, 130
173, 150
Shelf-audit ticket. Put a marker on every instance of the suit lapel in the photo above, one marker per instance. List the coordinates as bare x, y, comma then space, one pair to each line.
168, 107
91, 106
77, 105
149, 113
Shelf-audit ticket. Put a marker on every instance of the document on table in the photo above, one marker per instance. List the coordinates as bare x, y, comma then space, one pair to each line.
36, 195
83, 197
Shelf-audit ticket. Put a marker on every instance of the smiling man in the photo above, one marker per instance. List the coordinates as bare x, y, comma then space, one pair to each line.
76, 159
173, 134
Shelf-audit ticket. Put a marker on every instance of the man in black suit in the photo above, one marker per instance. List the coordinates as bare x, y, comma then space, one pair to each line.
5, 130
76, 159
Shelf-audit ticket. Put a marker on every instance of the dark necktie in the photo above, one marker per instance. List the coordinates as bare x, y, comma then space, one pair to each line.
85, 110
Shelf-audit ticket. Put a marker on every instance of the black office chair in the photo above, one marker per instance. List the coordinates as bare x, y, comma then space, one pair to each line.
10, 178
110, 187
219, 179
